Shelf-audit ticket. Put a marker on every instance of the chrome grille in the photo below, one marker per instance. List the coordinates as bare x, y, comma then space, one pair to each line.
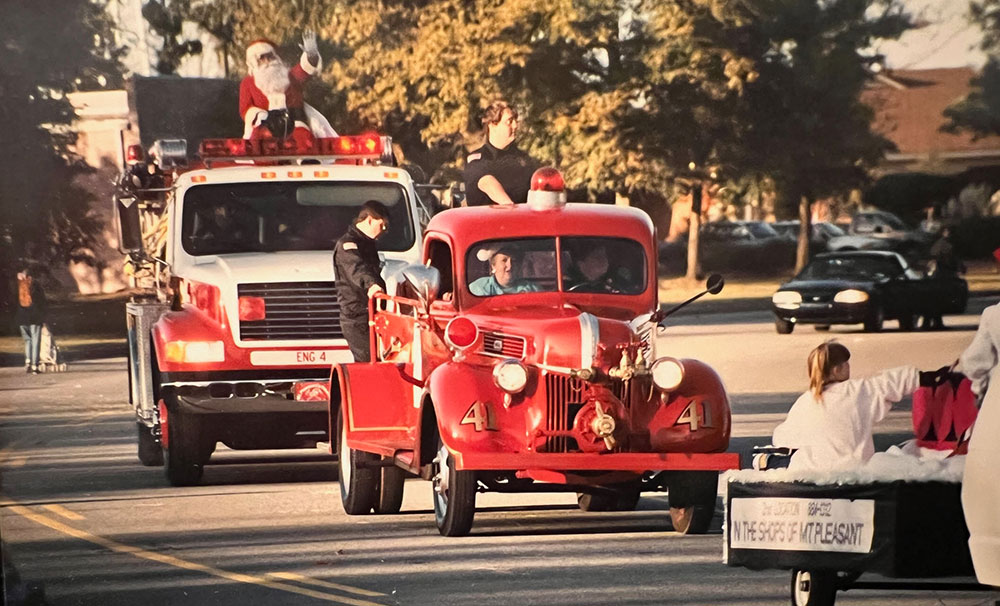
306, 311
564, 398
562, 394
502, 345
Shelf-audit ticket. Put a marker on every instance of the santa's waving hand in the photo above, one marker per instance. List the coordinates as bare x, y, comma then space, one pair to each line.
271, 94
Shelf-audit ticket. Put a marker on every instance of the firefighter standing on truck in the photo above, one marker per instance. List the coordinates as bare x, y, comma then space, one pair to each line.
498, 172
357, 268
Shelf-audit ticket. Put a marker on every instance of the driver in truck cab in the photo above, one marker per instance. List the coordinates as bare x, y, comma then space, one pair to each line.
357, 269
504, 263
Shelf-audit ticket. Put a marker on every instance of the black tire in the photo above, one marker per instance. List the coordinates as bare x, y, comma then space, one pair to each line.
908, 321
390, 490
813, 588
875, 319
822, 327
150, 451
784, 327
182, 449
619, 499
358, 475
454, 495
692, 496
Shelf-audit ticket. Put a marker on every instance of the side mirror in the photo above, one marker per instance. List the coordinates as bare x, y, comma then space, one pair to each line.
424, 280
128, 225
714, 284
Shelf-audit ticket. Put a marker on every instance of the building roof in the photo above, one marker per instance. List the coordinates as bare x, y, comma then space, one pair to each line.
909, 110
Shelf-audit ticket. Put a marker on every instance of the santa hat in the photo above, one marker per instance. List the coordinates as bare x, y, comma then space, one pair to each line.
258, 48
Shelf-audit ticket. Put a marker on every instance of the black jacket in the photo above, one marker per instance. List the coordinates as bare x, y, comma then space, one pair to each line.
511, 167
357, 267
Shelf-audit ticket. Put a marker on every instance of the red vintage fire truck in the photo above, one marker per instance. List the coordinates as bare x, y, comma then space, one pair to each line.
233, 336
521, 356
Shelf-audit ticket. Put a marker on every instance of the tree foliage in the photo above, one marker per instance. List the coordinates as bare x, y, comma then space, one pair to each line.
622, 95
50, 48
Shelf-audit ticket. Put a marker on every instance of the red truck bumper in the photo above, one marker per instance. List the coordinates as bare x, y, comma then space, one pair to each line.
638, 462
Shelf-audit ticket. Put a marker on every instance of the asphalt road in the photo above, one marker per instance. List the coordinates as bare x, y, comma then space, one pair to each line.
84, 523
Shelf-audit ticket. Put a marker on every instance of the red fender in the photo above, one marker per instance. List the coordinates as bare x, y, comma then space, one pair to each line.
470, 410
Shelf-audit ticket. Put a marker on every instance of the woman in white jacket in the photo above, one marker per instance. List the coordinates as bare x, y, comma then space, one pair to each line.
980, 488
831, 424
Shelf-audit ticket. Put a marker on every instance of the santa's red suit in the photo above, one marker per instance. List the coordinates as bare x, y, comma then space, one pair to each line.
270, 85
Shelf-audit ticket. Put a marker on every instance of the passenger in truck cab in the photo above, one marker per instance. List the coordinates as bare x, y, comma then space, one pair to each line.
504, 273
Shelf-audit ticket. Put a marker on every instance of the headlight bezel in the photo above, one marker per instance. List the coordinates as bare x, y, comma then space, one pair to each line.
670, 381
510, 375
851, 296
787, 299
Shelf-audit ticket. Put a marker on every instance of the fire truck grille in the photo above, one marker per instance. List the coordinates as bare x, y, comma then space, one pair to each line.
564, 399
503, 346
305, 311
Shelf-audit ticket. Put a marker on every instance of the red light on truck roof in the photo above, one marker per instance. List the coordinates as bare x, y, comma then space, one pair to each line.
134, 154
347, 146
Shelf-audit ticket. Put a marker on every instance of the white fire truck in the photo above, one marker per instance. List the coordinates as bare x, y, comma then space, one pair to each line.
234, 336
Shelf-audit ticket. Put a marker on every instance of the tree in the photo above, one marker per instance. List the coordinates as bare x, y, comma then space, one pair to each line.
803, 118
50, 47
979, 112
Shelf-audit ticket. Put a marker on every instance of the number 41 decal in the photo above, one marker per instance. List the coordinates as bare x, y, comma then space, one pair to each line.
696, 415
481, 416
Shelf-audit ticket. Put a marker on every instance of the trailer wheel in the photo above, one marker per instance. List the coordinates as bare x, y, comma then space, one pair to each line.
150, 451
358, 475
454, 495
813, 588
182, 449
692, 495
618, 499
390, 489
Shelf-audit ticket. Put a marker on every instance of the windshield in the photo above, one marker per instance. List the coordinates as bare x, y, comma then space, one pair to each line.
851, 268
590, 265
283, 216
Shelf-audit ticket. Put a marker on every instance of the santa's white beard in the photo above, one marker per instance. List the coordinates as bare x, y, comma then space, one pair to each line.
272, 79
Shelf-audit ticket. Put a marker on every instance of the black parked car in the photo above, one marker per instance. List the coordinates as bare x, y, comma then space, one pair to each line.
864, 287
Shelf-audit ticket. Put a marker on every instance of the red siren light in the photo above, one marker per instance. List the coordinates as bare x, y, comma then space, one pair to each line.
368, 146
548, 190
461, 333
134, 154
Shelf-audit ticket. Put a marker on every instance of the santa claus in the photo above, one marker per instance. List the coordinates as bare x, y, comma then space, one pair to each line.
271, 102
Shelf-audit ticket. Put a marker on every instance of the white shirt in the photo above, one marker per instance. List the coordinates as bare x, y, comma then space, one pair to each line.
837, 431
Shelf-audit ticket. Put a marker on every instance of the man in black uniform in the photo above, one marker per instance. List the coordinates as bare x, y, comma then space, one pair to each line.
357, 269
498, 172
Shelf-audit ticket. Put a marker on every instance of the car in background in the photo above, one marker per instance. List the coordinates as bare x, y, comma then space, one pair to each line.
822, 232
864, 287
882, 230
737, 231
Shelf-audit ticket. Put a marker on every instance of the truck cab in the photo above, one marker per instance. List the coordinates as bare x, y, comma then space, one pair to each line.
236, 343
520, 356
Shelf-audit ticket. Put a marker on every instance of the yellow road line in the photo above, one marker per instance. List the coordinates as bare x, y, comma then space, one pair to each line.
291, 576
61, 511
179, 563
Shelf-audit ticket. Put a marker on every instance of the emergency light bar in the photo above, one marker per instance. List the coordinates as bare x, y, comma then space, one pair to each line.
358, 147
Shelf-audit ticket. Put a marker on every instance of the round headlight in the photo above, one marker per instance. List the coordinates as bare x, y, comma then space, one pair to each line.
851, 295
667, 373
786, 299
510, 376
